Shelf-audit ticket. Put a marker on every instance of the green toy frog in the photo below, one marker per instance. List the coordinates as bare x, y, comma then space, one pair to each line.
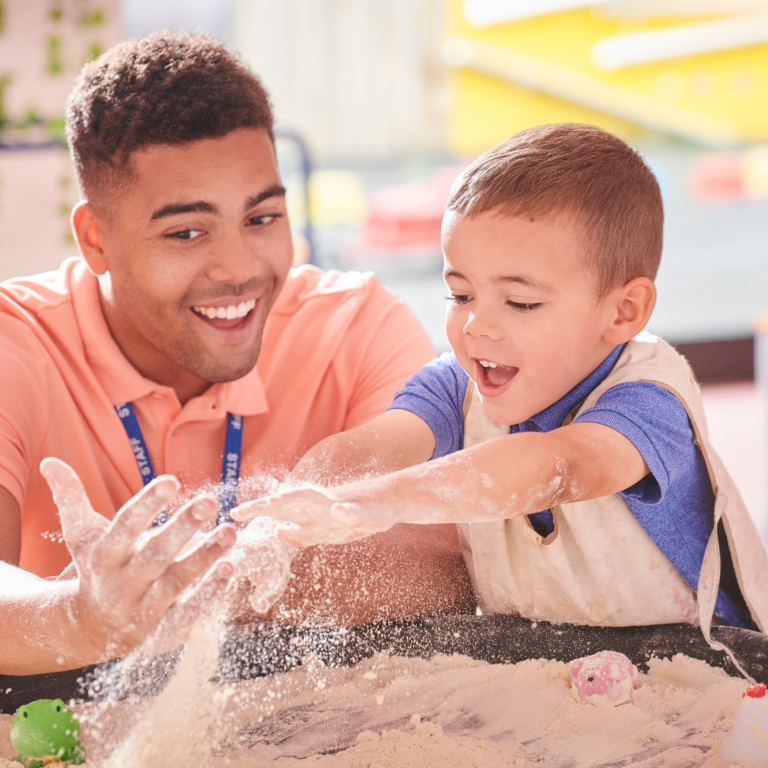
48, 729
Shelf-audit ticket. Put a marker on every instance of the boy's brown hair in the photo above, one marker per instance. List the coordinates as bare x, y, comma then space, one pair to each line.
168, 88
581, 170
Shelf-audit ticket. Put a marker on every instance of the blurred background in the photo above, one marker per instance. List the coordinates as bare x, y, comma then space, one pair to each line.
382, 102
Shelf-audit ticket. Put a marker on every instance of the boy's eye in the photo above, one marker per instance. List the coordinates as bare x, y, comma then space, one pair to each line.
460, 299
520, 307
185, 234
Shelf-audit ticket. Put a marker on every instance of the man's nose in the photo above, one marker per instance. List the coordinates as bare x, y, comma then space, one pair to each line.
234, 261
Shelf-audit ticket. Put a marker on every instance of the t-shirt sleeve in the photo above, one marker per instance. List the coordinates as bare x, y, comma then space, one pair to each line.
23, 404
436, 395
657, 424
393, 346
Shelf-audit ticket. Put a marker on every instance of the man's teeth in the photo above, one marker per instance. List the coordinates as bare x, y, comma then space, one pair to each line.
231, 312
488, 364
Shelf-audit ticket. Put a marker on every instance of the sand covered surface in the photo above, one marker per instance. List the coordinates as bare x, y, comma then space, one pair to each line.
395, 711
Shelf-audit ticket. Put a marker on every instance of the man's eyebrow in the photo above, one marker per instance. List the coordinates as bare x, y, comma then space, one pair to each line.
200, 206
277, 190
175, 208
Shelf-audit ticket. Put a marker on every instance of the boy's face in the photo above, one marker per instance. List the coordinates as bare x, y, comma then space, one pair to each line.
523, 301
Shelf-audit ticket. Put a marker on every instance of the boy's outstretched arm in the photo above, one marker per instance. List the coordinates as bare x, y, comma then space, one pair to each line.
394, 440
509, 476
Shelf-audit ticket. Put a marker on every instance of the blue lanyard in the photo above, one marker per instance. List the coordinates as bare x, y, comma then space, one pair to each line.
230, 466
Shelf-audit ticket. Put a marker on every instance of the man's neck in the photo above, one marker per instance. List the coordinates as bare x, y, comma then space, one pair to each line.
150, 362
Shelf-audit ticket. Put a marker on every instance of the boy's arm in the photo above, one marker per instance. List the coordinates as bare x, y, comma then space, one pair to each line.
394, 440
350, 596
502, 478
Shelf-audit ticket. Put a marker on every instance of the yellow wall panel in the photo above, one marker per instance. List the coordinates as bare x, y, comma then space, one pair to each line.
730, 86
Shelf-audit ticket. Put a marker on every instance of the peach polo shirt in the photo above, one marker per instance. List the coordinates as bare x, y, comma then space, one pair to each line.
336, 347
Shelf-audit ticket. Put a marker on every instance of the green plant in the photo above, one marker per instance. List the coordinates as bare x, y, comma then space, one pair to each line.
56, 127
93, 18
4, 81
55, 66
30, 118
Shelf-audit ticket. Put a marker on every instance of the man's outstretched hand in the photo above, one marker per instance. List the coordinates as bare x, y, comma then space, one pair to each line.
133, 580
318, 516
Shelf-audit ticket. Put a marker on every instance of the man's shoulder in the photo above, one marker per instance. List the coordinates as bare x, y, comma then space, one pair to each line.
37, 314
27, 297
311, 286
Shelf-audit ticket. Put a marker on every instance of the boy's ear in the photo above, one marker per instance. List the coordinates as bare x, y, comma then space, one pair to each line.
86, 227
633, 303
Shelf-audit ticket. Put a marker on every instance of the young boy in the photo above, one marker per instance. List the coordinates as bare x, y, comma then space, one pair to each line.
570, 446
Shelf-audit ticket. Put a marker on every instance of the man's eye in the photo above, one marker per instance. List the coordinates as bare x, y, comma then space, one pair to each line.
186, 234
260, 221
460, 299
520, 307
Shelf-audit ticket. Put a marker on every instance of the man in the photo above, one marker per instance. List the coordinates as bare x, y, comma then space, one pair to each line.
141, 359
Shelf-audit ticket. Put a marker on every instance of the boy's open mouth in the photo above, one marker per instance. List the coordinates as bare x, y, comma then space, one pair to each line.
226, 317
493, 375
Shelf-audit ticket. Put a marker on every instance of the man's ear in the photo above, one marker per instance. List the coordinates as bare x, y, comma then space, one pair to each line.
633, 304
86, 227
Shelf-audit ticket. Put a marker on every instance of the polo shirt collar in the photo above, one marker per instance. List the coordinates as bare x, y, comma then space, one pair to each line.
554, 415
122, 383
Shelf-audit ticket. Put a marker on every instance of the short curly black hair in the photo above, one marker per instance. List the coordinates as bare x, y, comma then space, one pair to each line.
167, 88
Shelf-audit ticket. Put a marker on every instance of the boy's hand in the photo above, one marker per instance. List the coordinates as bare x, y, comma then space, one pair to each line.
262, 564
134, 579
318, 517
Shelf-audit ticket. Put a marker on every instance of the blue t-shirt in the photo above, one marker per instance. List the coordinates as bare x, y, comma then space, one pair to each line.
674, 503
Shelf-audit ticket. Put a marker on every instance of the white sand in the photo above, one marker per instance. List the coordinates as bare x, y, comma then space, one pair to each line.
448, 711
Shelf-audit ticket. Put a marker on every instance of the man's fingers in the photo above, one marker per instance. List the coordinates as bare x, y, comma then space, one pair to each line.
158, 550
79, 523
181, 573
177, 621
136, 515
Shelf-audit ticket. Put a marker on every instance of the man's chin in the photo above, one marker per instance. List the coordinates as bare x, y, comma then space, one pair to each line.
224, 374
225, 369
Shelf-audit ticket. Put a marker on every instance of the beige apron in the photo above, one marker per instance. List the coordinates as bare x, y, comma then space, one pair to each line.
599, 567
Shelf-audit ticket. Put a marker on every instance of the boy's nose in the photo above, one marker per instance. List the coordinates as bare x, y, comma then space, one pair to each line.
480, 324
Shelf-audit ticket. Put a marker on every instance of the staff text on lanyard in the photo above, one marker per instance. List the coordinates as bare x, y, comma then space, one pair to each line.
230, 465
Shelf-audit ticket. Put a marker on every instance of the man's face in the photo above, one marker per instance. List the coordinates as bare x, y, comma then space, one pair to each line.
523, 318
197, 248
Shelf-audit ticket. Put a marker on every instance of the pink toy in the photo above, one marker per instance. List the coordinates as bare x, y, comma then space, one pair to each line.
607, 677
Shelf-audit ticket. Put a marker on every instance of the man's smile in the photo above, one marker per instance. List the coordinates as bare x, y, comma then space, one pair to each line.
226, 312
228, 315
